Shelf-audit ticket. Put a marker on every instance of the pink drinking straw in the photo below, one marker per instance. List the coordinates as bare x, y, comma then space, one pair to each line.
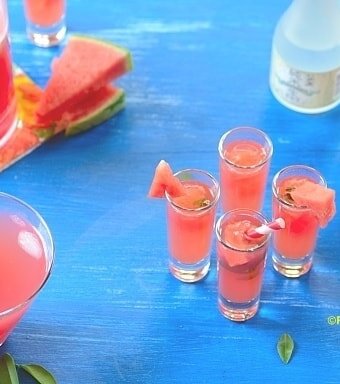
266, 229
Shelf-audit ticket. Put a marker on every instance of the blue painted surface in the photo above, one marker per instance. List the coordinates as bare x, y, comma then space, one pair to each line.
111, 312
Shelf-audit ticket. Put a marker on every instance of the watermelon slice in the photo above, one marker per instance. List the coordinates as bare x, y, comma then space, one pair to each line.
164, 180
29, 135
86, 65
318, 198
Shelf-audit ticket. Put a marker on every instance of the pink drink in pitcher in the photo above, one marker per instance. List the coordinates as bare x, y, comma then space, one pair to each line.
8, 118
26, 257
245, 155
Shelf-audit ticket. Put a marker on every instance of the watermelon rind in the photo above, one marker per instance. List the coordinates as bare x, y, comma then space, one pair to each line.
107, 110
128, 56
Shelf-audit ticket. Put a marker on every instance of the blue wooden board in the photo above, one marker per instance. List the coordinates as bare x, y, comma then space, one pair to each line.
111, 312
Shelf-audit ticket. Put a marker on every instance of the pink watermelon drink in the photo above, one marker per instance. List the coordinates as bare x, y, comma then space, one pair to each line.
45, 21
302, 199
7, 97
26, 258
241, 262
191, 196
245, 155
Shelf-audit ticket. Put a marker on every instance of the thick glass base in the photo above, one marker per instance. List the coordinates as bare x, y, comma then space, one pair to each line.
189, 273
46, 36
292, 267
238, 311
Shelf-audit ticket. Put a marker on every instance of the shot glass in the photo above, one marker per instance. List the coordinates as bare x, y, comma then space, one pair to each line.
190, 230
293, 247
240, 263
8, 115
245, 155
45, 21
26, 259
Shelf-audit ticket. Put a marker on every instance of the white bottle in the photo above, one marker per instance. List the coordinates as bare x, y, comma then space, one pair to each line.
305, 63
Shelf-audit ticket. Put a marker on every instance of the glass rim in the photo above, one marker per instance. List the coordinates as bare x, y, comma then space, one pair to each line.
199, 209
255, 130
248, 212
51, 263
287, 168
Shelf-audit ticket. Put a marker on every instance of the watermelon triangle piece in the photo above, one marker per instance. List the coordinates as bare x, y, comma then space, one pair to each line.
164, 181
85, 65
318, 198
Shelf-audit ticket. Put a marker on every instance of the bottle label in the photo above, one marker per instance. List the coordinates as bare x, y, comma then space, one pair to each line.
303, 89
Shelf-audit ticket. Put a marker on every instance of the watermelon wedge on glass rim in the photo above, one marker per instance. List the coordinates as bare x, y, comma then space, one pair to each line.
165, 181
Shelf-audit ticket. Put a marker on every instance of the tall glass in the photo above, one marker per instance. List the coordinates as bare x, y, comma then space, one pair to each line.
26, 258
45, 21
190, 230
240, 263
293, 247
8, 116
245, 155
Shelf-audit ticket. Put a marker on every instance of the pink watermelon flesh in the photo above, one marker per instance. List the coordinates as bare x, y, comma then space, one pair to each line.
164, 180
320, 199
90, 104
85, 65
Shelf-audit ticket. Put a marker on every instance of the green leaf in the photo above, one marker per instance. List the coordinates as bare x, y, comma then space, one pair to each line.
285, 347
8, 371
201, 203
39, 373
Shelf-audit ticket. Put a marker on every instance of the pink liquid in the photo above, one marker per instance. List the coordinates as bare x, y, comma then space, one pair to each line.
190, 232
23, 269
7, 97
298, 239
240, 269
44, 12
243, 174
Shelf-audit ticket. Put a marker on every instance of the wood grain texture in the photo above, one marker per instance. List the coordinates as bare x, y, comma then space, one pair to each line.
111, 312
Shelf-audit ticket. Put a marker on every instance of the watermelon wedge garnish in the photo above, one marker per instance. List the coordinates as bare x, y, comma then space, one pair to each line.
165, 181
305, 193
318, 198
85, 65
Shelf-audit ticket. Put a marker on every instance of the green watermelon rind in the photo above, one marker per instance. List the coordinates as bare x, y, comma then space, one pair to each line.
127, 53
107, 110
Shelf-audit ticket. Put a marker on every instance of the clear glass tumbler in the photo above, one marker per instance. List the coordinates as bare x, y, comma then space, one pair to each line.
190, 230
293, 247
45, 21
240, 263
245, 155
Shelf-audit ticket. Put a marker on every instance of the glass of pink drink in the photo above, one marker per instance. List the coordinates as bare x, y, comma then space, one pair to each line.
190, 221
26, 258
8, 116
245, 155
45, 21
302, 199
240, 263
